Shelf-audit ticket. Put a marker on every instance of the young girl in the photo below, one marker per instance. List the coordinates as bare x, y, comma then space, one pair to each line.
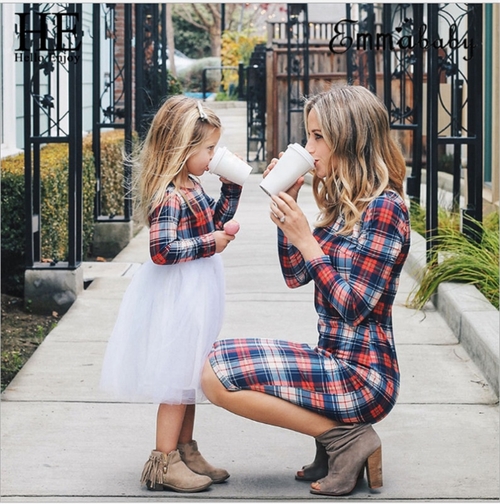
172, 310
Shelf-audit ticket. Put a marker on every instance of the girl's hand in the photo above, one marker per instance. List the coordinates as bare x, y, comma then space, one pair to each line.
222, 240
294, 190
226, 181
287, 215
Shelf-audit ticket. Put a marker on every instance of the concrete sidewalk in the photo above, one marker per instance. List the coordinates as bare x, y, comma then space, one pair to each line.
63, 440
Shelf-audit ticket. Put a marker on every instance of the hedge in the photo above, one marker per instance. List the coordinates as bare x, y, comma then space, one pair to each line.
54, 203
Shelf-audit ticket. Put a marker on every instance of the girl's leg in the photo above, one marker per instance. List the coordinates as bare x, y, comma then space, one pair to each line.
188, 448
264, 408
169, 424
165, 467
186, 434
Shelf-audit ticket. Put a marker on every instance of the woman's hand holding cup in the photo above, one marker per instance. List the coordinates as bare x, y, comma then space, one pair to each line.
288, 216
292, 191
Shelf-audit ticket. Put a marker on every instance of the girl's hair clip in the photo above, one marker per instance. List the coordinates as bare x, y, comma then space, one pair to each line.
203, 115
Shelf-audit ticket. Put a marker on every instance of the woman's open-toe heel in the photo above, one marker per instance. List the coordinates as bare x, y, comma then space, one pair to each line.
317, 469
350, 449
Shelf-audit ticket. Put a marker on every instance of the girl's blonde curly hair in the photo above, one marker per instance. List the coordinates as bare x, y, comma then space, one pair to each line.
179, 127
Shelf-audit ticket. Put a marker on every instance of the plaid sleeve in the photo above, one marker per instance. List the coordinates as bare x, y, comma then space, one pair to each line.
292, 263
165, 244
379, 245
226, 206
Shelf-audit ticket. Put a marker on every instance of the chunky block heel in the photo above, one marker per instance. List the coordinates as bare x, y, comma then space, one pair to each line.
374, 469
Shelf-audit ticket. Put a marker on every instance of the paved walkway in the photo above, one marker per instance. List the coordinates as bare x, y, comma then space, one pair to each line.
63, 440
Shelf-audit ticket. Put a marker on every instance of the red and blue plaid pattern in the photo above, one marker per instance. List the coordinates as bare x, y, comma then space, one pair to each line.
182, 232
352, 375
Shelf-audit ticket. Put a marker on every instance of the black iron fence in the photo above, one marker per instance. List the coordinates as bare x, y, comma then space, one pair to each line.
50, 40
112, 96
442, 71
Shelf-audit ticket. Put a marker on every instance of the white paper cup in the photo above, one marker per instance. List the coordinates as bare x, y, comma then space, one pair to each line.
227, 165
294, 163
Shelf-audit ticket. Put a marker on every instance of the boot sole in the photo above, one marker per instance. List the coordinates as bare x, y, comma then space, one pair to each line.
220, 480
158, 487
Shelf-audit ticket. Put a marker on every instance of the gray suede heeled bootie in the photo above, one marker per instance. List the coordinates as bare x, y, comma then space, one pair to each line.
163, 471
350, 448
194, 460
317, 469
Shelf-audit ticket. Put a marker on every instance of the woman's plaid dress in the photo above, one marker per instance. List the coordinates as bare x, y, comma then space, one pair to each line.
352, 375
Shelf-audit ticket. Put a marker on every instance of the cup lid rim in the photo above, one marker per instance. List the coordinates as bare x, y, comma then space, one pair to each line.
217, 157
298, 148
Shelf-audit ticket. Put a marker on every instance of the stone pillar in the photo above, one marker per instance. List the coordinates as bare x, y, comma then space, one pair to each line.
48, 290
110, 238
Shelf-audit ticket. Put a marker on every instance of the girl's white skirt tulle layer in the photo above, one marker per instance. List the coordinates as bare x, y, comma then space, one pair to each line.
168, 320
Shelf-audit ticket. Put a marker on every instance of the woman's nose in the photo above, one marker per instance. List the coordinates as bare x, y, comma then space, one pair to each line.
309, 148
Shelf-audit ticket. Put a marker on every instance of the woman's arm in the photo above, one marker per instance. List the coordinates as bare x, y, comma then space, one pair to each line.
292, 263
381, 240
296, 242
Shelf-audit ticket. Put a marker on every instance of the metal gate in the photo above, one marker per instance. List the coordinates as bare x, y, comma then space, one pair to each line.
112, 96
50, 40
255, 79
151, 84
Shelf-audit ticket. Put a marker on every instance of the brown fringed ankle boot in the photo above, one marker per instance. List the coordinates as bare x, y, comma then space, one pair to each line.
195, 461
164, 471
350, 448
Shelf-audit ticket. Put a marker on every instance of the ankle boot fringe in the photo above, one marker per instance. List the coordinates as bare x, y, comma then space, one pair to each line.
154, 469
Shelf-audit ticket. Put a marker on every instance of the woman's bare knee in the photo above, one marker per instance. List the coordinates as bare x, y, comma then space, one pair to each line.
211, 385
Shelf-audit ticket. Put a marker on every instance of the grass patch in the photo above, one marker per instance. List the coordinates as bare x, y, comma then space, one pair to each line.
459, 259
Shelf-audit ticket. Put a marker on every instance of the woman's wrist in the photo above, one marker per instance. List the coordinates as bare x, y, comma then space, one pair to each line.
310, 249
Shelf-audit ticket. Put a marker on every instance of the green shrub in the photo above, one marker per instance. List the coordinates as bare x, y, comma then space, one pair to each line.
190, 78
112, 175
54, 204
461, 259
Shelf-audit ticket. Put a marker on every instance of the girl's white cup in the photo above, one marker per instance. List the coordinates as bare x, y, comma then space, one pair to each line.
294, 163
228, 165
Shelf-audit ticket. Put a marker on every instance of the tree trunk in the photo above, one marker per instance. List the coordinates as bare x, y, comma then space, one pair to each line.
215, 39
170, 40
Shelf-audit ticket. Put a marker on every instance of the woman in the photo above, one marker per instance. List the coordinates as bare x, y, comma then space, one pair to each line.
354, 256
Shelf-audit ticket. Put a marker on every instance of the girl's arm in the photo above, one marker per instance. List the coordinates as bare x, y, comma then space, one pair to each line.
164, 244
225, 208
381, 240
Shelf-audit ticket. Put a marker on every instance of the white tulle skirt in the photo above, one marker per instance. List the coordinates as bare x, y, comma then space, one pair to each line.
168, 320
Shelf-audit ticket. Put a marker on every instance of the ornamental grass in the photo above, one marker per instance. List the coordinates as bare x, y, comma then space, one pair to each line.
461, 259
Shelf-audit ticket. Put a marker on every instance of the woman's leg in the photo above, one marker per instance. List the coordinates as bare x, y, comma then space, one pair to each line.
264, 408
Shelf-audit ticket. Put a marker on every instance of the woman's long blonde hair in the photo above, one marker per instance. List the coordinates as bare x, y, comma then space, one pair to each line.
178, 128
365, 159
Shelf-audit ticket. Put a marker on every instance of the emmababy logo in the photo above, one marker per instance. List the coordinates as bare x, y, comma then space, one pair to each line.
341, 42
56, 35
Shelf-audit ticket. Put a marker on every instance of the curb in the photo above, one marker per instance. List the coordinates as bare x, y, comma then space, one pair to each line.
465, 310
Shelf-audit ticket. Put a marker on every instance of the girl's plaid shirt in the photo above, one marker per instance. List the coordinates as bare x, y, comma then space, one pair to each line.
179, 233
